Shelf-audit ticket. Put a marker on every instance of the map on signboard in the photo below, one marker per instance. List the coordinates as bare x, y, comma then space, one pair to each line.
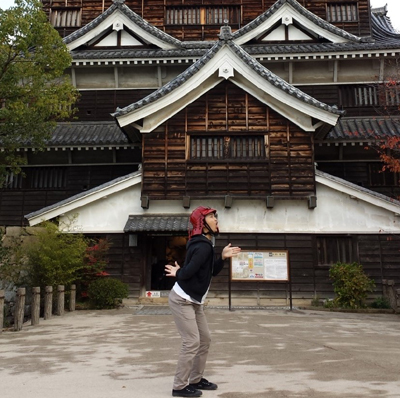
260, 265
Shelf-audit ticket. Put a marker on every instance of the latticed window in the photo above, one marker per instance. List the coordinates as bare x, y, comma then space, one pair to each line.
391, 95
37, 178
388, 94
342, 12
183, 16
366, 96
47, 177
203, 15
12, 181
333, 249
65, 17
227, 147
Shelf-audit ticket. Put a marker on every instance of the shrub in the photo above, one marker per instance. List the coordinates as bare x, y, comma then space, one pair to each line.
381, 302
329, 303
107, 292
13, 265
351, 285
54, 257
95, 261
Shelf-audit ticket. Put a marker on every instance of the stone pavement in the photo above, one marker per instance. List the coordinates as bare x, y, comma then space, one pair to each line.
274, 353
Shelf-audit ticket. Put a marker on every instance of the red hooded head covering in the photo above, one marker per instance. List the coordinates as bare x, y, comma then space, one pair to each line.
197, 220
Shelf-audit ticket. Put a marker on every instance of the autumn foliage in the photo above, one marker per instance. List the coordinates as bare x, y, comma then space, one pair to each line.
95, 261
389, 153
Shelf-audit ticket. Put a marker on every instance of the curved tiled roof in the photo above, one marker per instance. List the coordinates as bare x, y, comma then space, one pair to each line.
157, 222
382, 28
84, 134
279, 82
87, 134
384, 37
254, 50
364, 128
173, 84
225, 39
303, 11
313, 48
119, 4
81, 195
130, 53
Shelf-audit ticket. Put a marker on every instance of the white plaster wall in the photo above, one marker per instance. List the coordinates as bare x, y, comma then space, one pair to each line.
336, 212
107, 215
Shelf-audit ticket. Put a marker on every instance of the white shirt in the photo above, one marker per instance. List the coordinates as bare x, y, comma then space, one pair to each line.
178, 290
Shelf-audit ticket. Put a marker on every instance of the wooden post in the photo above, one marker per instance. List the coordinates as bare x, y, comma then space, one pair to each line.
48, 302
397, 300
72, 298
35, 306
2, 295
60, 300
19, 309
391, 293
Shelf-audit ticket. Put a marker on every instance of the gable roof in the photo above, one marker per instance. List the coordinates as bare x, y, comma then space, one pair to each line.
358, 192
120, 17
168, 214
286, 11
226, 60
332, 41
89, 196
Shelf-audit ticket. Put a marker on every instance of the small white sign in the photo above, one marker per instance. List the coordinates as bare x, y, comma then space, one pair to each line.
152, 294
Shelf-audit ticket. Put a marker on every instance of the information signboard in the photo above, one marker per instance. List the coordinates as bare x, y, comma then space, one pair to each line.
269, 265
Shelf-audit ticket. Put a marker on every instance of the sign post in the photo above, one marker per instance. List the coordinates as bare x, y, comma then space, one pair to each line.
260, 266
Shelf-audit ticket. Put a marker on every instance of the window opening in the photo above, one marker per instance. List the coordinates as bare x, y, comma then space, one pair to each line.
332, 250
203, 15
65, 17
342, 12
227, 147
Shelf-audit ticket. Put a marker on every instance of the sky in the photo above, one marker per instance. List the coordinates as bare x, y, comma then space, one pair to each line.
393, 9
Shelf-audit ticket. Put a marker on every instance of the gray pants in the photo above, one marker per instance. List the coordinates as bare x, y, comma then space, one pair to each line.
192, 325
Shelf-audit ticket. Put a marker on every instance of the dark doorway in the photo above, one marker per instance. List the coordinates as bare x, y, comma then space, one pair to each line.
164, 250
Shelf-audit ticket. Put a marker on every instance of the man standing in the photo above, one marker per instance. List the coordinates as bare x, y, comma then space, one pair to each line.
187, 298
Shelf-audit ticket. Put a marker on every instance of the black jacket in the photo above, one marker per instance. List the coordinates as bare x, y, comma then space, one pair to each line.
199, 267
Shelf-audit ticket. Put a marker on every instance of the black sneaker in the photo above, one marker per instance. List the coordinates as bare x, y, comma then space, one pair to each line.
188, 391
204, 384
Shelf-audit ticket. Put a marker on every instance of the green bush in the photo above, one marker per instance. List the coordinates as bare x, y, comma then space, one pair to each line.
351, 285
54, 257
107, 292
381, 302
13, 264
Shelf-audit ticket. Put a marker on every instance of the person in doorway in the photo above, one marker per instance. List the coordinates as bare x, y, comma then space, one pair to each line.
187, 297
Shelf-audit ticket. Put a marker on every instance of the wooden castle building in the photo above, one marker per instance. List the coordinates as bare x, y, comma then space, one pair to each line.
259, 108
